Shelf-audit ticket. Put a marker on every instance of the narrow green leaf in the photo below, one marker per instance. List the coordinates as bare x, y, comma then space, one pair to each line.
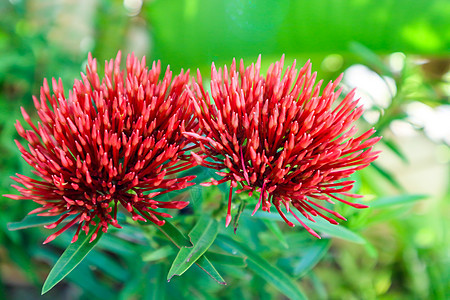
82, 276
174, 235
35, 221
155, 289
71, 257
312, 256
202, 236
179, 240
320, 225
117, 245
370, 57
395, 148
158, 254
387, 119
386, 215
396, 200
387, 175
133, 288
203, 174
108, 265
371, 250
227, 259
335, 231
273, 275
204, 264
273, 226
241, 208
319, 287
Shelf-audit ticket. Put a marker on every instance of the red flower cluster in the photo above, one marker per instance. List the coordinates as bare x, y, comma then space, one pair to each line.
123, 139
110, 142
278, 136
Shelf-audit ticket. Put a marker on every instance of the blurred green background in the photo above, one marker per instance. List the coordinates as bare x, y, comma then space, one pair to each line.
396, 52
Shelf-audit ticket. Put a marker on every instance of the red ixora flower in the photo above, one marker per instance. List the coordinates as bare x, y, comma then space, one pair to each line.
278, 136
109, 142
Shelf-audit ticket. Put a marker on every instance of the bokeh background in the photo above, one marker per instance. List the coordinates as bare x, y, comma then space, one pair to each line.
397, 52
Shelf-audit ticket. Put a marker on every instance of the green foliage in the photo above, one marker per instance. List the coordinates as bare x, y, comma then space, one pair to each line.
279, 279
212, 30
320, 225
191, 249
33, 221
71, 257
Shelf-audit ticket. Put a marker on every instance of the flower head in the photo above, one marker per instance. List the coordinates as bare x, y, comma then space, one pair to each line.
111, 141
280, 137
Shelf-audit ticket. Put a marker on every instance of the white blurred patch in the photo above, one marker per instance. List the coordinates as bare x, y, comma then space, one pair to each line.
438, 127
372, 116
435, 122
133, 6
371, 88
397, 62
402, 128
419, 113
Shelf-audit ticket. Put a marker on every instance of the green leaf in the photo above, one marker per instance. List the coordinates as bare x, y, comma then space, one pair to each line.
133, 288
226, 259
158, 254
202, 236
203, 174
35, 221
241, 208
386, 215
174, 235
371, 250
312, 256
320, 225
180, 240
321, 291
389, 116
273, 275
277, 232
395, 148
204, 264
335, 231
117, 245
396, 200
71, 257
108, 265
387, 175
370, 58
103, 261
155, 288
82, 276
